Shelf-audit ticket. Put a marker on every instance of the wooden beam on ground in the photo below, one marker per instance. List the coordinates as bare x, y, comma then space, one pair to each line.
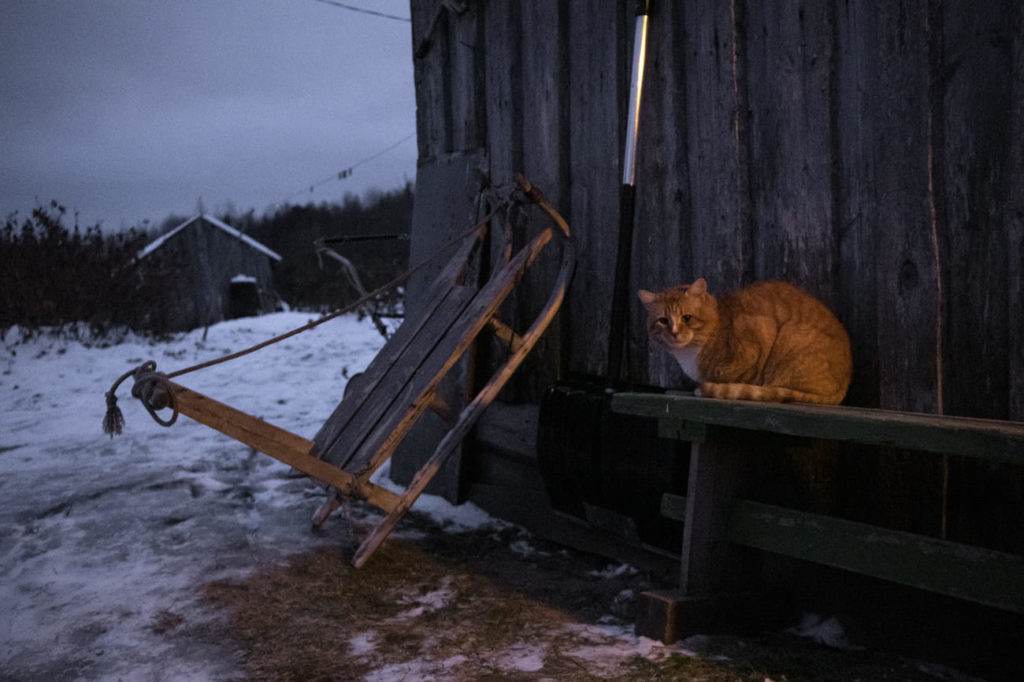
282, 445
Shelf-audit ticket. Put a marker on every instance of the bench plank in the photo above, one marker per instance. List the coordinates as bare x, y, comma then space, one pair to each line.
988, 439
976, 574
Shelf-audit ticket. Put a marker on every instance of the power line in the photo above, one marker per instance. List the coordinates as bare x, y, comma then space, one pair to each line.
346, 172
352, 8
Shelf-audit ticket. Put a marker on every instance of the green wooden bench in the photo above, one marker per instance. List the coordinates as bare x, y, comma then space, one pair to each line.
720, 526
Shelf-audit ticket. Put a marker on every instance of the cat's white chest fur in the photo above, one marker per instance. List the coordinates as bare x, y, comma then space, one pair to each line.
687, 359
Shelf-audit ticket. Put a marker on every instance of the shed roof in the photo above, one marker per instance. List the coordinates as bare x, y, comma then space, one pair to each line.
158, 242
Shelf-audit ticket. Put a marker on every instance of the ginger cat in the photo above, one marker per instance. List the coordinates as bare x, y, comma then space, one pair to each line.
770, 341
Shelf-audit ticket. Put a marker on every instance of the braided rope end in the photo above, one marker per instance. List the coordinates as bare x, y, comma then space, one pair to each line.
113, 420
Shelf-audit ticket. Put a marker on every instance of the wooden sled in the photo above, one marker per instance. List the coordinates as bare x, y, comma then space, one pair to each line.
401, 384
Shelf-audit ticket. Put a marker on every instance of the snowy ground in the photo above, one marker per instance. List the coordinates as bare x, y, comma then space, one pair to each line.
100, 537
106, 544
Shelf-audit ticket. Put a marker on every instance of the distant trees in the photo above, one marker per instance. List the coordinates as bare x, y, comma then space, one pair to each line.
51, 275
293, 231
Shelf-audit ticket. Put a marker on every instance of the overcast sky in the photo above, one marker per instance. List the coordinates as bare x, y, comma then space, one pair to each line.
130, 110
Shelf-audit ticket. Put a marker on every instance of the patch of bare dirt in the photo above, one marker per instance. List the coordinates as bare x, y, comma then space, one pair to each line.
489, 604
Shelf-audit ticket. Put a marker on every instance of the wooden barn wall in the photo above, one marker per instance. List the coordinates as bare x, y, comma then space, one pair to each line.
204, 259
870, 151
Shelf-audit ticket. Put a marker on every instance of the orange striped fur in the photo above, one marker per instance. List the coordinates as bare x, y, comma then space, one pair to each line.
770, 341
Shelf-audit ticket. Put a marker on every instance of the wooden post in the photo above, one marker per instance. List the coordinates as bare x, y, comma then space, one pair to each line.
716, 576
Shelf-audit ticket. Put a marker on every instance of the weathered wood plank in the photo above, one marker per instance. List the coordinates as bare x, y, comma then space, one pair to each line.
430, 42
598, 84
466, 97
906, 226
903, 223
857, 295
412, 329
982, 438
973, 107
545, 121
972, 573
788, 66
503, 81
287, 447
662, 238
716, 124
412, 398
541, 41
402, 383
1014, 211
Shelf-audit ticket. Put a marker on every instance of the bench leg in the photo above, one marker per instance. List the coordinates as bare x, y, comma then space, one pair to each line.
715, 575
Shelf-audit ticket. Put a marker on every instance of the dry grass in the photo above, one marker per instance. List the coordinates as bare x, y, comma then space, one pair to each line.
465, 607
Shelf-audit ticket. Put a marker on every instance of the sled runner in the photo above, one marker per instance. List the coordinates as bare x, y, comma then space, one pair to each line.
400, 384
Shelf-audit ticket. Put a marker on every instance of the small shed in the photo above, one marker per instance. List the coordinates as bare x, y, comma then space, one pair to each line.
211, 272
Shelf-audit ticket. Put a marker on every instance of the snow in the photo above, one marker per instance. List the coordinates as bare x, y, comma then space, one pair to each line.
105, 542
362, 644
425, 603
613, 571
159, 241
825, 630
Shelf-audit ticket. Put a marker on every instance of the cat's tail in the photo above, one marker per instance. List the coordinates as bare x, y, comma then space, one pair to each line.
770, 394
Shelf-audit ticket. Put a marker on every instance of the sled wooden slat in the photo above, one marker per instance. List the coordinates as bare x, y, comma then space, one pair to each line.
280, 444
471, 412
398, 346
439, 357
367, 413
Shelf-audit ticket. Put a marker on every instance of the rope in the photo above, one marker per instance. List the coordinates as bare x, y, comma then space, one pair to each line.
154, 389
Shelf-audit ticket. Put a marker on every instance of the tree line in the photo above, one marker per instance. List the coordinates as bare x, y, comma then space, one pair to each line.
308, 280
55, 275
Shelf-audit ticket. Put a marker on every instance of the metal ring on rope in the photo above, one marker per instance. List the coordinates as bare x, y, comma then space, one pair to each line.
153, 389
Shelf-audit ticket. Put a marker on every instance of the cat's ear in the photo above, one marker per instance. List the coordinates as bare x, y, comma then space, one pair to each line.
646, 297
699, 287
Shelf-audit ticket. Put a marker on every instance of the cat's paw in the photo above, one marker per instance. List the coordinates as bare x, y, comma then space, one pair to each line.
697, 392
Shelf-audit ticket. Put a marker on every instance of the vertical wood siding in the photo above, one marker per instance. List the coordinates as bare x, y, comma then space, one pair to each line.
872, 152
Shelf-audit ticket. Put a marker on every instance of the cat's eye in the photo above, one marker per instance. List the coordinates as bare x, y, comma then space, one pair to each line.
663, 321
686, 318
